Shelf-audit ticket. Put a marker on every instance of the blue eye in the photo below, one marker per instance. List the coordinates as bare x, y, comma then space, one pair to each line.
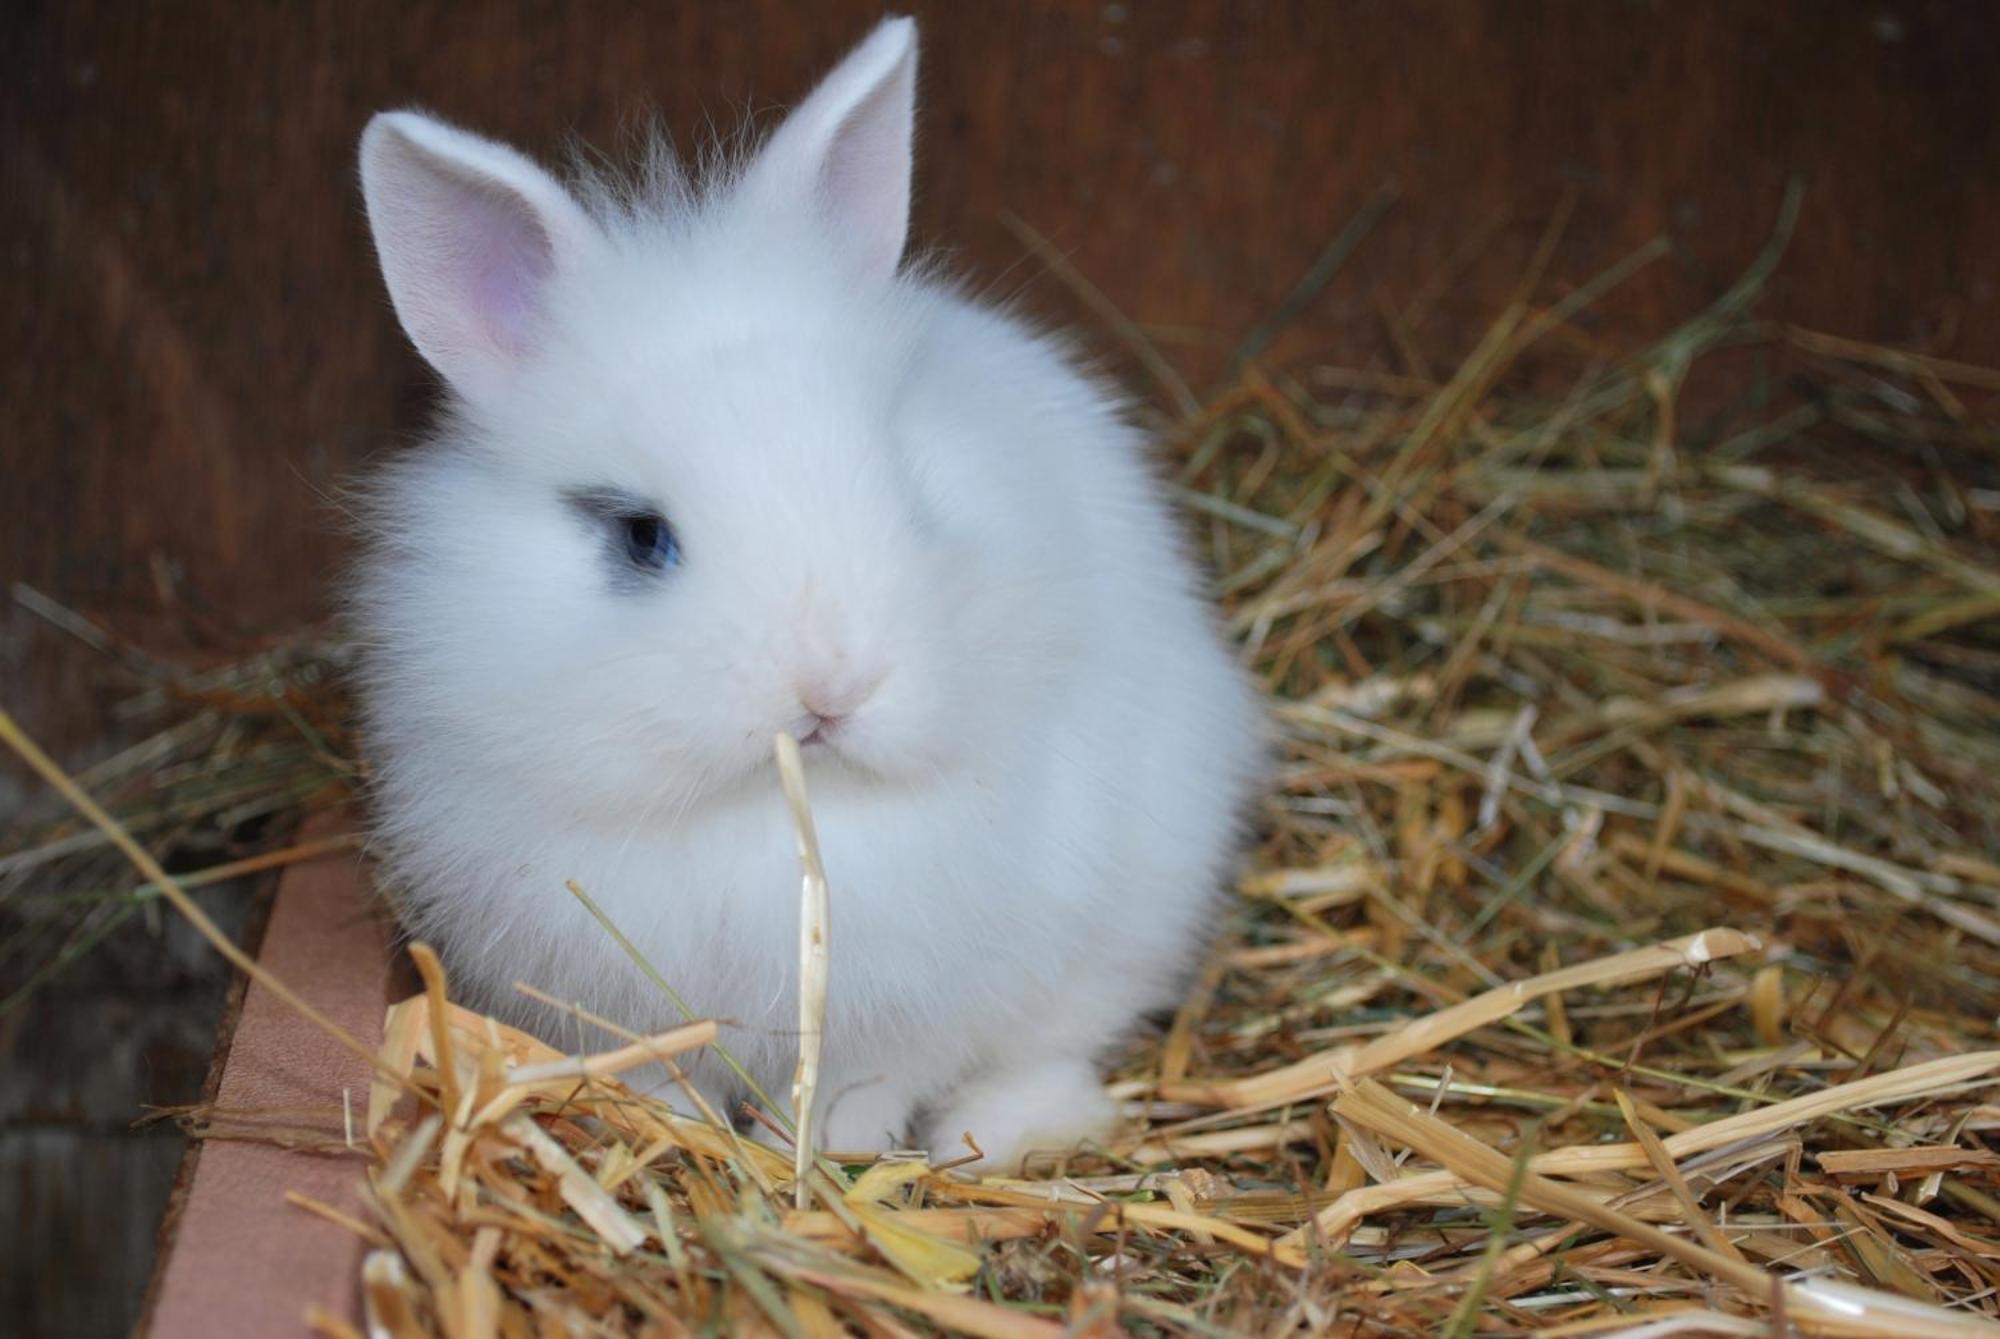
635, 535
649, 541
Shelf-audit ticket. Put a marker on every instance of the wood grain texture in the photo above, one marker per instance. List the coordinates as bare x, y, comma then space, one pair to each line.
195, 350
241, 1263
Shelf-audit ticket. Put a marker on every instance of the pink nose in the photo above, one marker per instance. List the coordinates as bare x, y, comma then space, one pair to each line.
832, 702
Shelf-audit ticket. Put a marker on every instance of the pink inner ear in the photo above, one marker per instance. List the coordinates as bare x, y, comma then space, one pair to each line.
865, 180
507, 259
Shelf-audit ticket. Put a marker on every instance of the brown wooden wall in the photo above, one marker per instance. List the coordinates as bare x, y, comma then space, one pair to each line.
194, 347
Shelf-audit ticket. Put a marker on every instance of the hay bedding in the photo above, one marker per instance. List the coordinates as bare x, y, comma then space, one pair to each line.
1621, 954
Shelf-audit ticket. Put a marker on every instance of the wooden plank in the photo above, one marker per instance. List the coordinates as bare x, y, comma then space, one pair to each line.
243, 1262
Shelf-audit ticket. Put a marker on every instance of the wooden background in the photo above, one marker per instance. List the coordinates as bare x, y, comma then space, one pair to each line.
195, 350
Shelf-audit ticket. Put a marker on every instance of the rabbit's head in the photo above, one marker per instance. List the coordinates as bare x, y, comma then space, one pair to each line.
699, 480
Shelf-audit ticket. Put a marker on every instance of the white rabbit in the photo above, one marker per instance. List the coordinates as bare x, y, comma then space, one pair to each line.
714, 466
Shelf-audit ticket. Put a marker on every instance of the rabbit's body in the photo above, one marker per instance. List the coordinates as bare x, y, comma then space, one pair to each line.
714, 471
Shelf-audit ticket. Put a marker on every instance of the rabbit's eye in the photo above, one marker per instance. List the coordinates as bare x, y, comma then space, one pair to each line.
636, 537
649, 541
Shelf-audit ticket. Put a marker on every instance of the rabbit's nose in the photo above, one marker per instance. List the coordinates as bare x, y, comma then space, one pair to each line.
834, 699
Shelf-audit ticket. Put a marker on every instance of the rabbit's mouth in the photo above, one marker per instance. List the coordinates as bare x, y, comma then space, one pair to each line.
816, 731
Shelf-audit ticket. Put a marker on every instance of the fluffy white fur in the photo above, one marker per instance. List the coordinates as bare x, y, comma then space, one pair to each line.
887, 498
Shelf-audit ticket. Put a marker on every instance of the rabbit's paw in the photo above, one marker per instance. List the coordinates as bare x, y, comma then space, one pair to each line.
1037, 1105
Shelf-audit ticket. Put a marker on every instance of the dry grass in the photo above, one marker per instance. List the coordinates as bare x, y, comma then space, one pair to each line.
1622, 952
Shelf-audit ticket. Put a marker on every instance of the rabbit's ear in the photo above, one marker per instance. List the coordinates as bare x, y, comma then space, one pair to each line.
469, 233
845, 151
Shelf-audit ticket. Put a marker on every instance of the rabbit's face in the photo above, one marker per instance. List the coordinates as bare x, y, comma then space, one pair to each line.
683, 539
